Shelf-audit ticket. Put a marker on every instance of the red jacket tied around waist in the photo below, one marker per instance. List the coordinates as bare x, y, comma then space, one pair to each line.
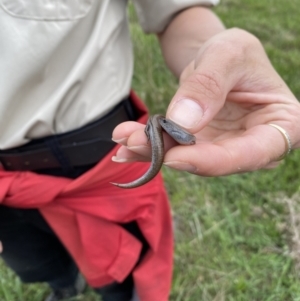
86, 212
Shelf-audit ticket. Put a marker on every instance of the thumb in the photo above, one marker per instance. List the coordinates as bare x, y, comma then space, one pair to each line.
201, 95
197, 101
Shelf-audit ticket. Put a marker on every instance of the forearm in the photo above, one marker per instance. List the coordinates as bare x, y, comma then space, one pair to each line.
184, 36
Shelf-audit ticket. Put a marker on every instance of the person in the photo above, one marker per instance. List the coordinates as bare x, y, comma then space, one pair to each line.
66, 70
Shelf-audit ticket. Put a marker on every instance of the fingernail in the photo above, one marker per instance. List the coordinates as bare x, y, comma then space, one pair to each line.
186, 112
120, 141
138, 148
121, 160
181, 166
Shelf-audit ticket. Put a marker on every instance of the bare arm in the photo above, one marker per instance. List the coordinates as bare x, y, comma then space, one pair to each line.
185, 34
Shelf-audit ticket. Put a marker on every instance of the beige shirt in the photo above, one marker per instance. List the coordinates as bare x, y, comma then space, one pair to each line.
66, 63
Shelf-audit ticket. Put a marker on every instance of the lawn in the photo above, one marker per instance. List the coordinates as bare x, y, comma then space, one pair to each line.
237, 237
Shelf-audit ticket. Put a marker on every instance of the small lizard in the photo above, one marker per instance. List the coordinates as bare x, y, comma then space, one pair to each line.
153, 131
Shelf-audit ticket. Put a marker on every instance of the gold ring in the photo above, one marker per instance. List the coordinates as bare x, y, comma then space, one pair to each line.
287, 139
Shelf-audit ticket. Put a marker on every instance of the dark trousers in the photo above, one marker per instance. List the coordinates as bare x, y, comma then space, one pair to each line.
33, 251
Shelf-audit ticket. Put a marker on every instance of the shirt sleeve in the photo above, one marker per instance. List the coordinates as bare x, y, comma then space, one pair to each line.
154, 15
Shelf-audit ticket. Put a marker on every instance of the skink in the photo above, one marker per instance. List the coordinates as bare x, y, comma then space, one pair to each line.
153, 131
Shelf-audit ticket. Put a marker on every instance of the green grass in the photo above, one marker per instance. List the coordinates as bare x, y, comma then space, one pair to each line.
233, 234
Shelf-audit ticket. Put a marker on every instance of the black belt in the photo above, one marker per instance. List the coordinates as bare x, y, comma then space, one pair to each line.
80, 147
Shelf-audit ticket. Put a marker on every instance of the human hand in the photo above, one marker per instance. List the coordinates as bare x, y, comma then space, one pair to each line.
227, 98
